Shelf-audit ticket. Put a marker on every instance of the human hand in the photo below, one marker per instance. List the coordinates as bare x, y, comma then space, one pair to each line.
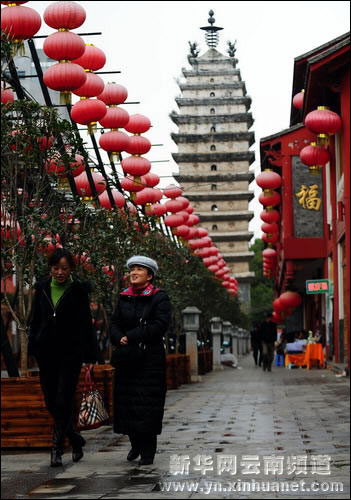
124, 341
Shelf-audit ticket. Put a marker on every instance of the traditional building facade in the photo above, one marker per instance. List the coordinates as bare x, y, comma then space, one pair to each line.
314, 241
213, 151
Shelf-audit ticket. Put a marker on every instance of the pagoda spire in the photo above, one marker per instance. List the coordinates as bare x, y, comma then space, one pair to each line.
211, 34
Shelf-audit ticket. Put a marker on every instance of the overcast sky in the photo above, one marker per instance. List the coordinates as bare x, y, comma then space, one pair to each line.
148, 43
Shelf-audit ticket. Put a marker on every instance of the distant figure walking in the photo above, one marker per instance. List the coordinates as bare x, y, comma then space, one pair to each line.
256, 344
268, 331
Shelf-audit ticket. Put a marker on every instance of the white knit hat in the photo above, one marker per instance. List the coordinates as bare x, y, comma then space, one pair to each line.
141, 260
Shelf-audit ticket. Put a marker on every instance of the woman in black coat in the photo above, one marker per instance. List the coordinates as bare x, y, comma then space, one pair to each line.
61, 338
142, 316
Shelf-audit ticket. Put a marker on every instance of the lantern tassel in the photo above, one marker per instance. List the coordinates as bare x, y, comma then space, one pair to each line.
65, 97
92, 128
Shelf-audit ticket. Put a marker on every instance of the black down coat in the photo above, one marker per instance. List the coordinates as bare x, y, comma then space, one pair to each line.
64, 331
140, 391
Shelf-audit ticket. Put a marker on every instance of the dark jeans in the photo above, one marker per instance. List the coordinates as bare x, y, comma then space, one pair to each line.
59, 380
268, 355
145, 443
257, 354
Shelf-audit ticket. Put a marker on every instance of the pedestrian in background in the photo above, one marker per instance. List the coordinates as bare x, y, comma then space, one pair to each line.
61, 338
268, 331
256, 344
140, 321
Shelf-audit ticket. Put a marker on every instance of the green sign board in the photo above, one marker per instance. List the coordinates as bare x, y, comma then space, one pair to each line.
317, 286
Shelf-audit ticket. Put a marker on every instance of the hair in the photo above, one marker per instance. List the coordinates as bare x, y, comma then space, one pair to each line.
58, 254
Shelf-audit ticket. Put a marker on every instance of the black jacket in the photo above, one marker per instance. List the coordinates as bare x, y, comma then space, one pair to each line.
140, 391
268, 331
65, 330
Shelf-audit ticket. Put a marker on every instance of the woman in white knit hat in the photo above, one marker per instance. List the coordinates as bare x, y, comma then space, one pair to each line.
138, 325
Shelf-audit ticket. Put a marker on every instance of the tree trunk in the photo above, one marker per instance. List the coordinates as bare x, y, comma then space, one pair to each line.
24, 350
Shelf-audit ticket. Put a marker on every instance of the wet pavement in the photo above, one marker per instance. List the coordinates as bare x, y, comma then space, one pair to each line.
240, 433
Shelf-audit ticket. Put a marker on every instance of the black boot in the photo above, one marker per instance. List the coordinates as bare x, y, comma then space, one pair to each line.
56, 457
77, 442
148, 449
135, 451
57, 448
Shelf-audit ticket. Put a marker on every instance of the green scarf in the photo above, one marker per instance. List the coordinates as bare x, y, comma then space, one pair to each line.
58, 289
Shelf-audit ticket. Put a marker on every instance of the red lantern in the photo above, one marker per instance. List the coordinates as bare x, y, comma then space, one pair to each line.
7, 96
113, 94
56, 166
132, 185
268, 180
158, 209
214, 251
174, 206
269, 199
270, 216
114, 118
298, 100
184, 200
48, 245
314, 156
138, 124
323, 121
135, 165
157, 194
150, 179
277, 318
186, 217
213, 268
67, 15
193, 219
138, 145
189, 209
13, 2
209, 261
117, 196
64, 77
270, 228
270, 238
19, 23
269, 253
83, 186
88, 112
145, 196
92, 86
278, 306
63, 45
92, 59
182, 231
172, 191
174, 220
114, 142
290, 299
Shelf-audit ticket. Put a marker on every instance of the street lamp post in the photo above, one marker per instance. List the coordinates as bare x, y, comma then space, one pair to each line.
191, 325
227, 337
216, 331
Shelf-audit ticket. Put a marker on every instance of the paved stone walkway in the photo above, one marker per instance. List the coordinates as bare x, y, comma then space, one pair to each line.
287, 430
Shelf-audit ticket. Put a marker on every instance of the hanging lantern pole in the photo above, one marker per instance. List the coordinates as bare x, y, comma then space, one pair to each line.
102, 170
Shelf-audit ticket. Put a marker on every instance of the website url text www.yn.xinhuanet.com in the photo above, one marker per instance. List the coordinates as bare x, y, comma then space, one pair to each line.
209, 487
